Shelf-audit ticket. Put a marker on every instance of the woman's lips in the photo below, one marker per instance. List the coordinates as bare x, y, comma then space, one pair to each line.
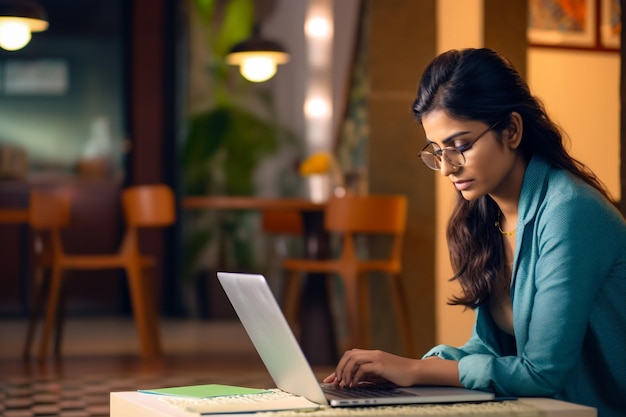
462, 185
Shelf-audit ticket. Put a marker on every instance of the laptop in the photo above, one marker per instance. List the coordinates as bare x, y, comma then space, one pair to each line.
261, 316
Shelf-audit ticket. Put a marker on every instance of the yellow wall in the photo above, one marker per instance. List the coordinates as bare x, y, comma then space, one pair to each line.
581, 92
459, 26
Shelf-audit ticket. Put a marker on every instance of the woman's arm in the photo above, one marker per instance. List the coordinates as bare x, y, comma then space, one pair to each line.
358, 365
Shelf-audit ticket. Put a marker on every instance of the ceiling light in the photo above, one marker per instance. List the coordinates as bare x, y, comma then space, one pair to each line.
318, 27
257, 57
18, 18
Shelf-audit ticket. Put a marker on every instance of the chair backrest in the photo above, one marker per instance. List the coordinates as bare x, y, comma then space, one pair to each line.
150, 205
377, 214
49, 210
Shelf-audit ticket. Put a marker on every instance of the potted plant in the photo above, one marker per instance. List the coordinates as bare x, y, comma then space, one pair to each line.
224, 145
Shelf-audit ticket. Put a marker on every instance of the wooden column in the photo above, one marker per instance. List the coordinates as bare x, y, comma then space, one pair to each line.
152, 157
147, 95
402, 40
504, 29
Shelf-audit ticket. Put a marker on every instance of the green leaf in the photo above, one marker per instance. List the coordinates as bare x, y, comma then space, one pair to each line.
237, 24
250, 139
206, 9
207, 133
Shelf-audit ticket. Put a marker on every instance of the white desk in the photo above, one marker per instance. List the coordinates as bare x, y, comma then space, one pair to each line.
135, 404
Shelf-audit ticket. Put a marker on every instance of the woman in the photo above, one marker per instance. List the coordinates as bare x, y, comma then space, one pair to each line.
535, 242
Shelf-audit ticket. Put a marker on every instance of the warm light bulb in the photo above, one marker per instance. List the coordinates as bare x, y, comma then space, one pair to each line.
317, 108
318, 27
258, 68
14, 35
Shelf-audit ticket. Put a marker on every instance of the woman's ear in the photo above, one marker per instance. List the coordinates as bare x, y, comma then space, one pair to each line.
512, 134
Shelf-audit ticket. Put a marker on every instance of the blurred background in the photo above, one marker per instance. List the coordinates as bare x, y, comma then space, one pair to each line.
124, 92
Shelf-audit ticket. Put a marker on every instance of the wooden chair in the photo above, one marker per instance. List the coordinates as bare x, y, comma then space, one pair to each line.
48, 213
280, 227
144, 206
348, 217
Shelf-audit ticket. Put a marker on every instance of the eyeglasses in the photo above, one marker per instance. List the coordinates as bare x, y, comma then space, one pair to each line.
431, 154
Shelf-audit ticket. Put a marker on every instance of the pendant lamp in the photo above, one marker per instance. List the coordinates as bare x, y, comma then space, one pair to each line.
18, 18
257, 57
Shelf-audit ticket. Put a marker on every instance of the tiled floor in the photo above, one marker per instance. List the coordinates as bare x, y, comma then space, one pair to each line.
100, 355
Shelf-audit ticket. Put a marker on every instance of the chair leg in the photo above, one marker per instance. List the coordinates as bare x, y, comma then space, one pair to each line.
59, 323
56, 282
42, 281
292, 291
144, 310
402, 314
350, 283
333, 287
364, 310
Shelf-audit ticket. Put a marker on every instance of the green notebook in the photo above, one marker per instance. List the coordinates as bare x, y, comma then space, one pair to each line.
204, 391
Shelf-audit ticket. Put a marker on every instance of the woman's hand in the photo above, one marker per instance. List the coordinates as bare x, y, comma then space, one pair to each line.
375, 366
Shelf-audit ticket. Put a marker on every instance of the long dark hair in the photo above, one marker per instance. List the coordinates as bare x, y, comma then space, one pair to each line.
481, 84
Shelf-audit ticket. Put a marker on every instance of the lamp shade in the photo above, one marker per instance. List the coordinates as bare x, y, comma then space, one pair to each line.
18, 18
257, 58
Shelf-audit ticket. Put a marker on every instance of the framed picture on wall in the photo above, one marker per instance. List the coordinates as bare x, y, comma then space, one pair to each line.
610, 23
562, 22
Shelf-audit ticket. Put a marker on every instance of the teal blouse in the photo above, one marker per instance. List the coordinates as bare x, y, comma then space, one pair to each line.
569, 301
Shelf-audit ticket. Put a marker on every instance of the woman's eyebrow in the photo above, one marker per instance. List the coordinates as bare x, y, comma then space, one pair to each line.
450, 138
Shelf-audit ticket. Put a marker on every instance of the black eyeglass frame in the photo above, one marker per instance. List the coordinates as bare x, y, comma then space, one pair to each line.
439, 153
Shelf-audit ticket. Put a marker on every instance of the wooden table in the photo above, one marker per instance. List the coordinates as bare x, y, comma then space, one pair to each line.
14, 215
136, 404
250, 203
20, 217
318, 336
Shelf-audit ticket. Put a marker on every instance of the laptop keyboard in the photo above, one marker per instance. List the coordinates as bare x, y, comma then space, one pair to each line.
370, 391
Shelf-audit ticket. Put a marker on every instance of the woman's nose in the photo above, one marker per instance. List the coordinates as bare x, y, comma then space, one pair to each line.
446, 167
